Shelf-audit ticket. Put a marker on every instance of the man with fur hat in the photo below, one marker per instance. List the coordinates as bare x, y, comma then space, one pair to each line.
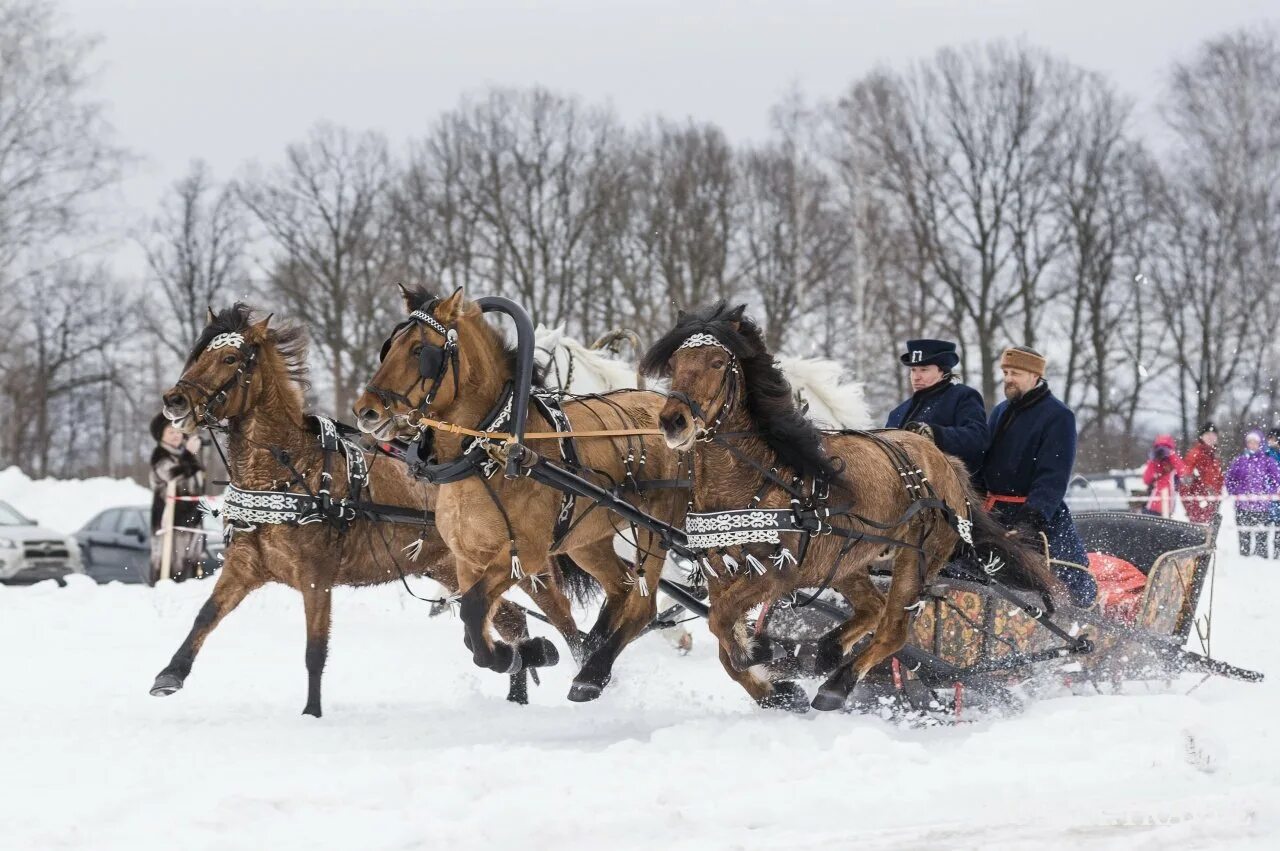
1028, 466
176, 459
951, 414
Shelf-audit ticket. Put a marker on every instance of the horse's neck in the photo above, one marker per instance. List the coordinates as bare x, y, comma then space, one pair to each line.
274, 422
723, 477
486, 376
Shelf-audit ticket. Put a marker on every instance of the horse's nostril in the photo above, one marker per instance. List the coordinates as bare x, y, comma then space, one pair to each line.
673, 422
175, 402
369, 415
679, 421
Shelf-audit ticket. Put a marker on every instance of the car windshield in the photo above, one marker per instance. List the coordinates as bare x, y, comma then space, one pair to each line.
9, 517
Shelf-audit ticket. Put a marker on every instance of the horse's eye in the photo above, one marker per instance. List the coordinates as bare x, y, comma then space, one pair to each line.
229, 359
417, 349
718, 363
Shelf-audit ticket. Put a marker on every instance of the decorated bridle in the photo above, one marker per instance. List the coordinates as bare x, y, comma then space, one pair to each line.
433, 363
243, 375
728, 386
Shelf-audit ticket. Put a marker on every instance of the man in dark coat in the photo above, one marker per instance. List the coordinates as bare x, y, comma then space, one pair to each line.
941, 408
176, 459
1028, 466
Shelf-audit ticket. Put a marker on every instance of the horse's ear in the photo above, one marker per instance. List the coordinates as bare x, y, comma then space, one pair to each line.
406, 297
735, 316
212, 317
682, 316
259, 329
451, 308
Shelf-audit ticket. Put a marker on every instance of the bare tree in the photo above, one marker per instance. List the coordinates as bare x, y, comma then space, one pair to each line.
55, 143
196, 252
964, 145
323, 213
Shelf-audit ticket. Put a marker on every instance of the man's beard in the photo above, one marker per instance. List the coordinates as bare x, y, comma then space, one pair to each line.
1012, 393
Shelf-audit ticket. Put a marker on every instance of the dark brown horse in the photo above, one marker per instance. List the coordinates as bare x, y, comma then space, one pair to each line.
252, 376
449, 363
730, 405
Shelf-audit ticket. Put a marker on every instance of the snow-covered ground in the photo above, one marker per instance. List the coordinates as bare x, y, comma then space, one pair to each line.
417, 748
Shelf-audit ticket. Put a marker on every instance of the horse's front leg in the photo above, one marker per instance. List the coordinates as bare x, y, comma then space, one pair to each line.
237, 579
317, 605
476, 607
744, 657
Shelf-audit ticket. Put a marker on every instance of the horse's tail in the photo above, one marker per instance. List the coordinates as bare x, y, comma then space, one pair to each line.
581, 586
1026, 564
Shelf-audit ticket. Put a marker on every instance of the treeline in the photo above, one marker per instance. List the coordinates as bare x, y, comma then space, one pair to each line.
991, 193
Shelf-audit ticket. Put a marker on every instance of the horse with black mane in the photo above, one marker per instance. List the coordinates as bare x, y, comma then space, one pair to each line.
445, 363
779, 506
301, 503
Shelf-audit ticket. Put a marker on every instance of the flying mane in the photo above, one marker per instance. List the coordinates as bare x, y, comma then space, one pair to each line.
290, 342
793, 438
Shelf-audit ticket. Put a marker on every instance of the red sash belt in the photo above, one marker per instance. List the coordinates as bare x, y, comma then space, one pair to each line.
993, 498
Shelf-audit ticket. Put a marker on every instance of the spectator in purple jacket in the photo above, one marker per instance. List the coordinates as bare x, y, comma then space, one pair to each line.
1254, 474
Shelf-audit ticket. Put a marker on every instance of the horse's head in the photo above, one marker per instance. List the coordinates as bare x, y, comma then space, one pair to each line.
700, 357
419, 366
224, 371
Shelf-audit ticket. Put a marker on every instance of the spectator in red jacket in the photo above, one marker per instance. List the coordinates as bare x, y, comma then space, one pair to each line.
1164, 467
1201, 486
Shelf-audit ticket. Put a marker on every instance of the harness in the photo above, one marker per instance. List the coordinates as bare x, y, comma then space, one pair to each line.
244, 510
433, 362
242, 376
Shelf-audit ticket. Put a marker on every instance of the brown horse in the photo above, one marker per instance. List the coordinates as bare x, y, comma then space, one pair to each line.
447, 362
731, 406
253, 376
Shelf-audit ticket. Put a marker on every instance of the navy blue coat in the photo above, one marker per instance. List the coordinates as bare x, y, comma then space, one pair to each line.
1032, 453
957, 416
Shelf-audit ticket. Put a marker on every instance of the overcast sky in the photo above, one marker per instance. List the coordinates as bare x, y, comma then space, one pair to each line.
231, 81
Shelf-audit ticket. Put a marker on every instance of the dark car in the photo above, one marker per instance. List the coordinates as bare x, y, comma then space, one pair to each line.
115, 546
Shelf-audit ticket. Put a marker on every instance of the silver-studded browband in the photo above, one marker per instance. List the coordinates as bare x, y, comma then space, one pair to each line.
222, 341
703, 339
430, 321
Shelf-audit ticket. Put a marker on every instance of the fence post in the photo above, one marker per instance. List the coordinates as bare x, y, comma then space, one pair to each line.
166, 529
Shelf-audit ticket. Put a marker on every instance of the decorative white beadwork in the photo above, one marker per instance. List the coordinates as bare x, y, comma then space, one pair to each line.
222, 341
965, 529
723, 521
255, 507
429, 320
703, 339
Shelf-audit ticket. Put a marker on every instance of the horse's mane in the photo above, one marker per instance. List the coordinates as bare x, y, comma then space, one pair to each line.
290, 341
833, 401
420, 298
786, 431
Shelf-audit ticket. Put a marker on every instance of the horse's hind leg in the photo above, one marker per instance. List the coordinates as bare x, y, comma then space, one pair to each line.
891, 632
549, 596
624, 616
317, 604
868, 606
235, 582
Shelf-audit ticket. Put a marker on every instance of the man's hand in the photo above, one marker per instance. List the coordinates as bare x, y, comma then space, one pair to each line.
922, 429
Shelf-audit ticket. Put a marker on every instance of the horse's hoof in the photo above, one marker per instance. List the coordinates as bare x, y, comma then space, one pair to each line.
829, 656
165, 685
789, 696
829, 699
539, 653
584, 692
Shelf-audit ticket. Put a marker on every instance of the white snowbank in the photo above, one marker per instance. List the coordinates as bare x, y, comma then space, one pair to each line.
65, 505
418, 750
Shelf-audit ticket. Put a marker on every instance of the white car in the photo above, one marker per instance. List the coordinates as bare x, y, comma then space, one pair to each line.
30, 553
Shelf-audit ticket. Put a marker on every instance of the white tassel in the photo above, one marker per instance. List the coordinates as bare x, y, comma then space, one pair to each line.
535, 581
782, 558
917, 606
414, 549
755, 564
517, 572
730, 563
643, 585
992, 565
706, 568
